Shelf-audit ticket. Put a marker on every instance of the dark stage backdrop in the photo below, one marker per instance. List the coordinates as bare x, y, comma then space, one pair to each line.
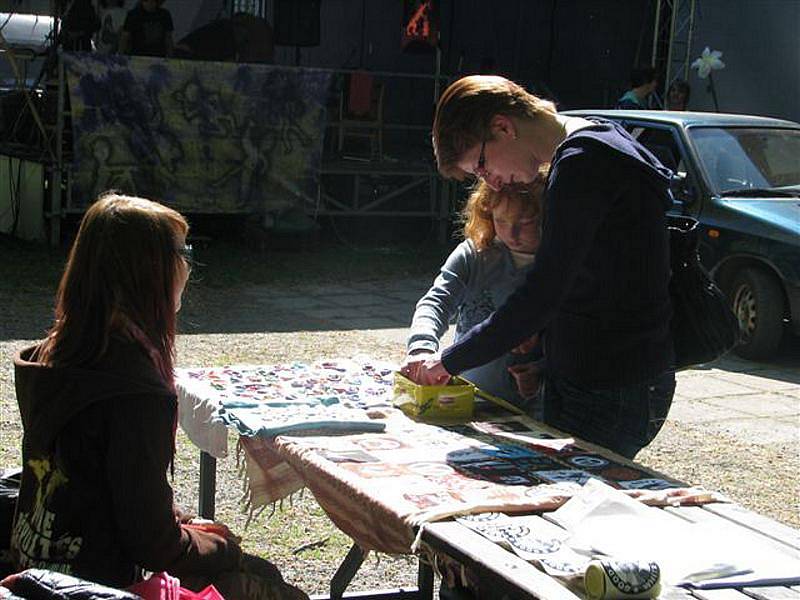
578, 52
201, 137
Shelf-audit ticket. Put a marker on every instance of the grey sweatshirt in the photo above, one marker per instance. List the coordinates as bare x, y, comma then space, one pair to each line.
469, 287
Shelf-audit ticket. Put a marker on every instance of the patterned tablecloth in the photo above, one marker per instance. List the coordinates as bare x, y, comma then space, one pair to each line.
377, 474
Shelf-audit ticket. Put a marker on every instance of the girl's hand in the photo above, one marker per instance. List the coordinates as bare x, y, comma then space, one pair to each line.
413, 362
214, 527
527, 345
527, 377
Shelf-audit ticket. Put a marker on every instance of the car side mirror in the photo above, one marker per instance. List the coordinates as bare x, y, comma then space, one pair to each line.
683, 192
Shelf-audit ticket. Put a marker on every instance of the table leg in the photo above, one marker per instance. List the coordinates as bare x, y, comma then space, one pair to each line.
208, 485
346, 571
425, 581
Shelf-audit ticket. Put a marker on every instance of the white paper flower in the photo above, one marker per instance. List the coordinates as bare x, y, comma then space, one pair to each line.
709, 60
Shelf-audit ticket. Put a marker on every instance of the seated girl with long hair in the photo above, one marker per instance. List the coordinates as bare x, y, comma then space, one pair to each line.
99, 412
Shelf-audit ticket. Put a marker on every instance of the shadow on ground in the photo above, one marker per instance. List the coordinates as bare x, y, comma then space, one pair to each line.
356, 305
783, 366
332, 286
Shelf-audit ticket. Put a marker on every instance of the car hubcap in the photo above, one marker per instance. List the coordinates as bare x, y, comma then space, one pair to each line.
744, 305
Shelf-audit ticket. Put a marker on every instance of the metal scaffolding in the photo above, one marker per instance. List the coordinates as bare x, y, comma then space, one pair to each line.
48, 148
672, 39
253, 7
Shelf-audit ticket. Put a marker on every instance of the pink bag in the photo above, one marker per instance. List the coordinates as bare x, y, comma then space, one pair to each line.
163, 586
208, 593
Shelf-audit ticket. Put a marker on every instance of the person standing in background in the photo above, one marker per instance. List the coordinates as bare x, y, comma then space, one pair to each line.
112, 15
147, 30
80, 22
678, 95
643, 83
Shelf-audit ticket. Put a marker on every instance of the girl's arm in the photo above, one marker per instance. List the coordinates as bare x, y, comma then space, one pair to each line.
439, 306
141, 441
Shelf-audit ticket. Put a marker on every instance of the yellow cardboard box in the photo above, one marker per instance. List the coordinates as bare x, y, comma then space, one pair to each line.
456, 400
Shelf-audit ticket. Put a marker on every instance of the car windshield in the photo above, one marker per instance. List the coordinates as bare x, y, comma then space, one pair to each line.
748, 158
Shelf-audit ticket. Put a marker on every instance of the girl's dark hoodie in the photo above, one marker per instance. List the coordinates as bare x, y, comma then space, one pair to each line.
95, 501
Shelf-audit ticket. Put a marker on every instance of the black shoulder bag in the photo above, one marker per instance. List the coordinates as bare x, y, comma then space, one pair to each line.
703, 324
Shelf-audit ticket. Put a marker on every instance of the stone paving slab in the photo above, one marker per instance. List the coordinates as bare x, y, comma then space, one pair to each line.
758, 430
400, 312
368, 323
761, 380
409, 296
323, 291
398, 285
709, 387
694, 373
343, 317
397, 336
794, 393
694, 411
795, 421
299, 302
759, 405
270, 291
364, 299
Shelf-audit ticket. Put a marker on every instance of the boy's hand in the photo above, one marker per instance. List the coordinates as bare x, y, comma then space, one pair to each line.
430, 371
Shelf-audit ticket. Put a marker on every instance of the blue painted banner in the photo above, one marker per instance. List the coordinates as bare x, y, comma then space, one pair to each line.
203, 137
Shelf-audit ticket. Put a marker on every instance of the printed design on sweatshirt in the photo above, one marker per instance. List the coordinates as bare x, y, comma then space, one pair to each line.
475, 310
33, 539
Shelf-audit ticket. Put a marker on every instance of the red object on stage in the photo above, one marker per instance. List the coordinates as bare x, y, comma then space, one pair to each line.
420, 30
360, 94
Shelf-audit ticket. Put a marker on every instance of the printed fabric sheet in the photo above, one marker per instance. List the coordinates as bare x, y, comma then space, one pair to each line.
334, 395
259, 402
380, 487
202, 137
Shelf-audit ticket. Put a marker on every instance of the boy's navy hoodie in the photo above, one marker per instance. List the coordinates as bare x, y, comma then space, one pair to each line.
599, 287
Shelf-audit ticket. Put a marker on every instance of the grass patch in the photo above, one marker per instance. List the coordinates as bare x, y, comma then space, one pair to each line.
28, 266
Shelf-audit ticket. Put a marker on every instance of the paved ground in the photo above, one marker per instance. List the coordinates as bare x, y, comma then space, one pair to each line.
756, 403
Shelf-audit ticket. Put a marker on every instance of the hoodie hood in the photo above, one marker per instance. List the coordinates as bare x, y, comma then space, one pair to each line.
49, 397
614, 136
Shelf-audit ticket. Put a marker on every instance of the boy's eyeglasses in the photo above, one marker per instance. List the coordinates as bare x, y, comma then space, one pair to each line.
187, 254
480, 170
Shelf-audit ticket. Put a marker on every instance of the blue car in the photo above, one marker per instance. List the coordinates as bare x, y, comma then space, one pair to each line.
739, 176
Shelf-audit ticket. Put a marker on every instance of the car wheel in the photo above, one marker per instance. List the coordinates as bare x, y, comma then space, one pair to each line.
757, 301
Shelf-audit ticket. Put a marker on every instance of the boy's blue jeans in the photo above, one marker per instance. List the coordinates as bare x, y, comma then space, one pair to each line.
623, 419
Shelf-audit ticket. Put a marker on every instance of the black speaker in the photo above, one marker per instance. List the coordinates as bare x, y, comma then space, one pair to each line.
297, 22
